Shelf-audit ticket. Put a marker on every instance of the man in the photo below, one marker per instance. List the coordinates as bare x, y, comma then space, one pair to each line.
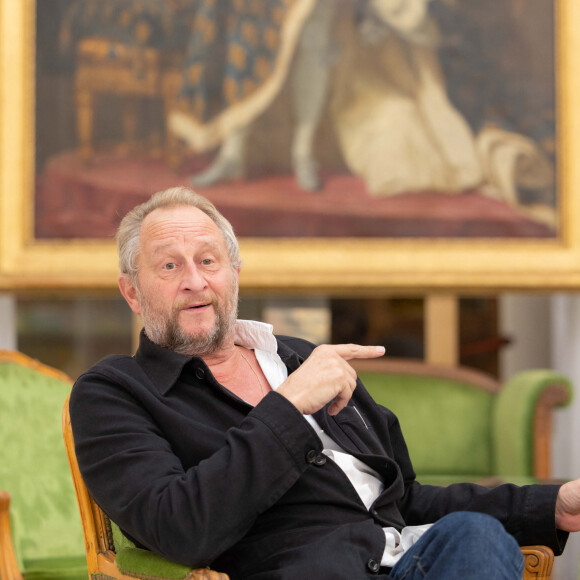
220, 444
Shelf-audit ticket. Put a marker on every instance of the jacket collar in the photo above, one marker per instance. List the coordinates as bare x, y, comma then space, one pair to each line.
164, 366
289, 357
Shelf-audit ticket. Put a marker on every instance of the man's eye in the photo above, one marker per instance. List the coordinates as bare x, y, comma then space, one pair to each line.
170, 266
207, 262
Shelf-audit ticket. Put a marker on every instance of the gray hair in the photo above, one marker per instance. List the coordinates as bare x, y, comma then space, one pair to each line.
129, 232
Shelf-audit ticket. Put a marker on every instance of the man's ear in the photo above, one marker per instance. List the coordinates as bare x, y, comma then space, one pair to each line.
129, 293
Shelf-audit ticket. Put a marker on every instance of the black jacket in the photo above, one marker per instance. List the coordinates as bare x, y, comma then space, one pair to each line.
192, 472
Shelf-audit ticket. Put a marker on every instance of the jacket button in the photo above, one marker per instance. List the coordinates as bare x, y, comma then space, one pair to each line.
311, 456
373, 566
320, 459
200, 373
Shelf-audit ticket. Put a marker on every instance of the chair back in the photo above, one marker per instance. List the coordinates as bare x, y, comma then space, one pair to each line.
45, 529
452, 407
461, 424
99, 543
109, 554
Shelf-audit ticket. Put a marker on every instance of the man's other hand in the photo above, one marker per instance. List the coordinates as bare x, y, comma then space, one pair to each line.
568, 507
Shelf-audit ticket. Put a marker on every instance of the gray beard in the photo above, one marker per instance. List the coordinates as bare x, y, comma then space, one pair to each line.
199, 345
167, 333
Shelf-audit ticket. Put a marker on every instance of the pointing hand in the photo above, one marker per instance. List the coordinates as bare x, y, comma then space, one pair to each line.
326, 376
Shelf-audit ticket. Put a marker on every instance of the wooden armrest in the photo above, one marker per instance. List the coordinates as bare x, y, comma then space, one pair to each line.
538, 562
8, 564
202, 574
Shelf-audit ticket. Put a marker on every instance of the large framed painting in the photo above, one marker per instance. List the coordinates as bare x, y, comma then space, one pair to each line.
355, 145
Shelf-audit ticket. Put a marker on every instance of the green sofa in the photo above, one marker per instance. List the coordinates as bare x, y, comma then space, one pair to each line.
40, 529
463, 425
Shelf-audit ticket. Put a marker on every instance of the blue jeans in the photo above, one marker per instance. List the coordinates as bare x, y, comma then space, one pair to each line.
462, 546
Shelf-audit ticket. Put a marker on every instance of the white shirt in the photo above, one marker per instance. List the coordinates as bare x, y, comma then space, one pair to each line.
259, 337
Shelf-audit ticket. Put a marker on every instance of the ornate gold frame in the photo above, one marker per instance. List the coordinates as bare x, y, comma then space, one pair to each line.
344, 265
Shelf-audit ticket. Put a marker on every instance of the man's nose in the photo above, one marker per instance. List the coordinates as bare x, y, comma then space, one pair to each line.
192, 279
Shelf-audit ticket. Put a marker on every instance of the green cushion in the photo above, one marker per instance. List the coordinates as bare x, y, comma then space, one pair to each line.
34, 469
135, 562
446, 423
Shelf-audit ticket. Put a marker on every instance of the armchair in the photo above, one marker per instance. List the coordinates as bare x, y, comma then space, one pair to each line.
40, 530
110, 555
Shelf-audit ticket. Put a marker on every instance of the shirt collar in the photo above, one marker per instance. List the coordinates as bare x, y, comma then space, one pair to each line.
253, 334
164, 366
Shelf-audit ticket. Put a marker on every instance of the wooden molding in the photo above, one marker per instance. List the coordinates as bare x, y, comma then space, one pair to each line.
19, 358
8, 563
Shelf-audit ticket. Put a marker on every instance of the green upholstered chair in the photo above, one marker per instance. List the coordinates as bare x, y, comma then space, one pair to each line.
463, 425
110, 555
40, 529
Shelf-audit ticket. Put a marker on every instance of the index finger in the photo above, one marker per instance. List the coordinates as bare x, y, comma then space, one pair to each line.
350, 351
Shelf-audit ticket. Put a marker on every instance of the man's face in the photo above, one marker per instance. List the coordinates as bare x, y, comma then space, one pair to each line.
187, 291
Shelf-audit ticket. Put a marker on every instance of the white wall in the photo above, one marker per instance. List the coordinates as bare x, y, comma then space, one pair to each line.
566, 359
525, 321
545, 332
8, 339
566, 450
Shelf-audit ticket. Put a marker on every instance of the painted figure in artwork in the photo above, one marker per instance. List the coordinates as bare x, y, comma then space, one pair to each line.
394, 104
376, 68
